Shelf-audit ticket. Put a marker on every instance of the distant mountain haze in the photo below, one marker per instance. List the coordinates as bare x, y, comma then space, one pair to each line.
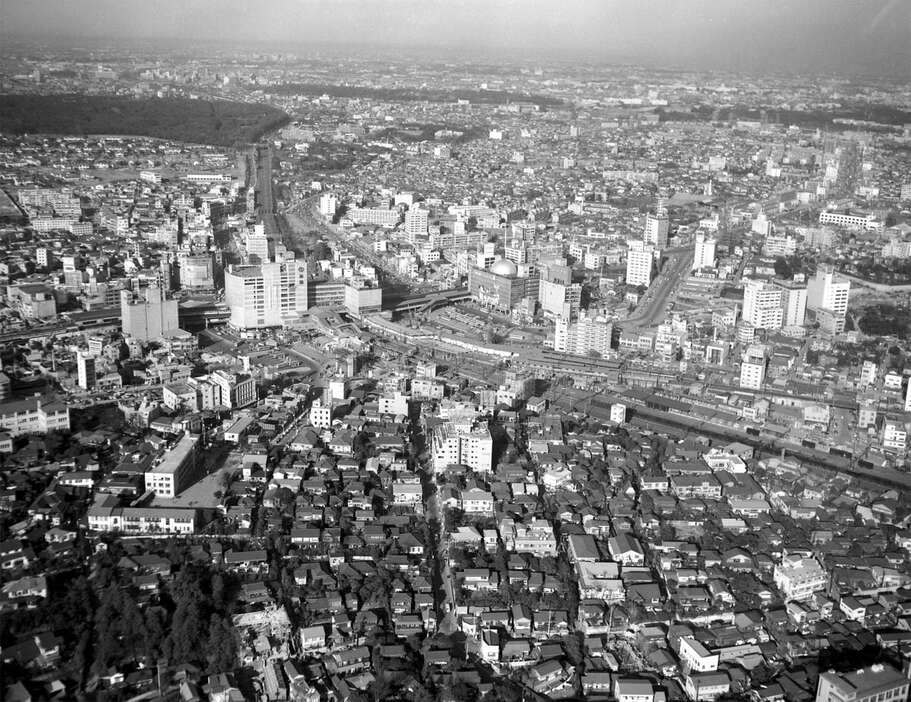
847, 36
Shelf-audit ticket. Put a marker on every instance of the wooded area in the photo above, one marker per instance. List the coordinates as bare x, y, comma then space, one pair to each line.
217, 122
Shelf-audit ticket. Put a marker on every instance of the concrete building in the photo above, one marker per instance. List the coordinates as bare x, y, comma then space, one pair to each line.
32, 300
704, 256
34, 416
849, 220
459, 444
267, 295
876, 683
257, 246
416, 221
752, 375
793, 303
828, 291
504, 286
328, 205
695, 657
587, 335
376, 216
798, 578
105, 516
85, 366
197, 272
147, 315
656, 229
557, 294
762, 307
175, 472
639, 263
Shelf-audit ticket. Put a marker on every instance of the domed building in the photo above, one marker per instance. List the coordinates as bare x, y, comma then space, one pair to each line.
504, 268
503, 286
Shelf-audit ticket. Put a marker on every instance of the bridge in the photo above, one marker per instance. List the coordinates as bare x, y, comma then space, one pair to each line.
430, 301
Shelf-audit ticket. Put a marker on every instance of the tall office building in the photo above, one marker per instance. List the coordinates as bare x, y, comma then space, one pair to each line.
656, 228
148, 314
826, 291
416, 220
267, 295
639, 261
793, 303
762, 308
85, 364
704, 256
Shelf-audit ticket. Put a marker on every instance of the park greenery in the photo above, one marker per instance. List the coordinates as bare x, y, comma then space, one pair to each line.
217, 122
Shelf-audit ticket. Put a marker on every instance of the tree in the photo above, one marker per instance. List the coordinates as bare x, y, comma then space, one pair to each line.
221, 645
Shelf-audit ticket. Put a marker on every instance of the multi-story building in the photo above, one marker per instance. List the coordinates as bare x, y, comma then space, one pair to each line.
504, 286
695, 657
895, 435
147, 315
267, 295
586, 336
328, 205
32, 300
877, 683
85, 368
416, 220
798, 578
701, 486
762, 308
849, 220
793, 303
704, 256
557, 294
320, 415
257, 246
104, 515
176, 469
639, 263
375, 216
218, 389
826, 291
656, 229
752, 375
197, 272
34, 416
459, 444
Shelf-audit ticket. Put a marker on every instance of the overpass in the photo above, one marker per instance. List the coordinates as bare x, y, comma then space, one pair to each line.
429, 301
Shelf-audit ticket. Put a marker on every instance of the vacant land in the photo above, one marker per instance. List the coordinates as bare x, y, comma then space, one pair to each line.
217, 122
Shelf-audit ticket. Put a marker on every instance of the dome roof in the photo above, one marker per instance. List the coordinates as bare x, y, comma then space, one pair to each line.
504, 268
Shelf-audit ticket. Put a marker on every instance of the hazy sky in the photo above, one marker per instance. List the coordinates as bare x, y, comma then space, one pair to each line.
866, 35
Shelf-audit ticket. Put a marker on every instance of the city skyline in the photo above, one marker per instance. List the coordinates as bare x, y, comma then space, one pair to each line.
836, 36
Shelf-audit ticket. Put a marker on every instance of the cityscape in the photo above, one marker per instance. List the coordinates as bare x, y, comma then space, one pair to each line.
356, 371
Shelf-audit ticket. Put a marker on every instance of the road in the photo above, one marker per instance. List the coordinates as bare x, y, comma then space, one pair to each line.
652, 306
438, 550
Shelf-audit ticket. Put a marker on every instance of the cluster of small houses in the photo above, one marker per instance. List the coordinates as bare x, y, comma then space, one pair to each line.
658, 610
